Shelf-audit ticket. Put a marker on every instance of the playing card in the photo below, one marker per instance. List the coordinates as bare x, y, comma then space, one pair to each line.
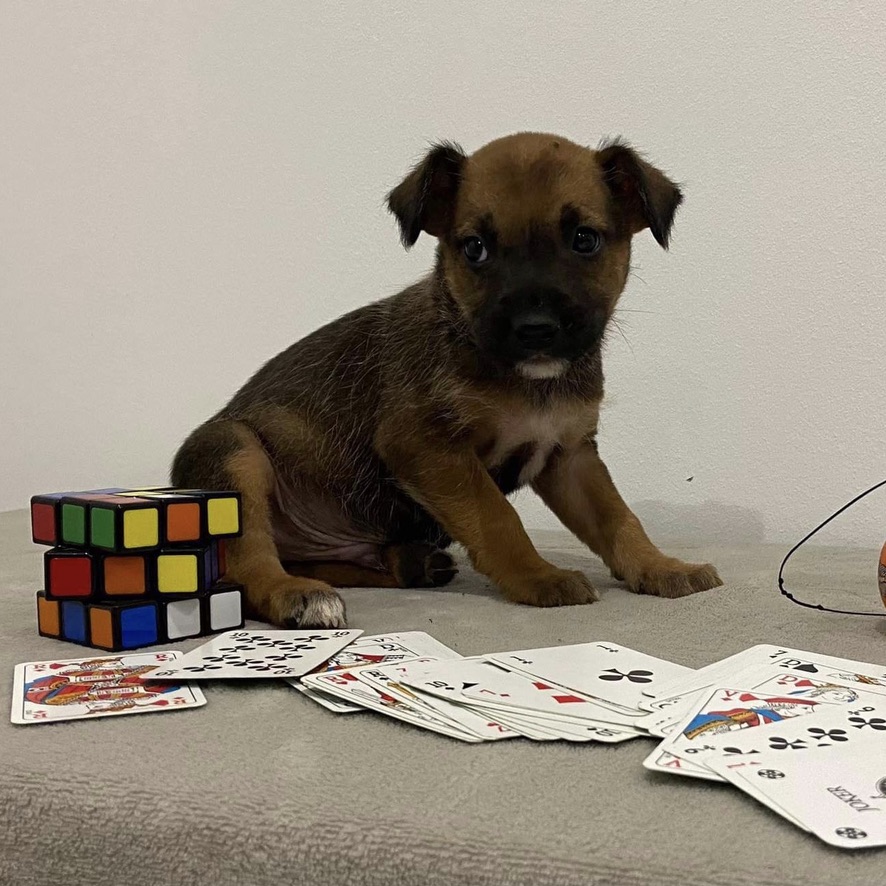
837, 725
727, 711
256, 654
110, 685
495, 688
712, 674
662, 761
606, 672
779, 658
840, 797
765, 679
526, 726
374, 650
391, 678
330, 702
486, 687
347, 685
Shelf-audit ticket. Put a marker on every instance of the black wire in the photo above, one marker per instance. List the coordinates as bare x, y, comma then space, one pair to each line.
803, 541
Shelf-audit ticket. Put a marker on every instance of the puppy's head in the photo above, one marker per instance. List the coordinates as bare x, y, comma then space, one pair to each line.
535, 234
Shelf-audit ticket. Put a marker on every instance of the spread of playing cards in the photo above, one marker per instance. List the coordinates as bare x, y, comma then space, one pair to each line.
801, 733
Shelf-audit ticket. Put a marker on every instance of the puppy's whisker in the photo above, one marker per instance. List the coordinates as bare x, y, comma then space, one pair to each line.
617, 325
632, 273
634, 311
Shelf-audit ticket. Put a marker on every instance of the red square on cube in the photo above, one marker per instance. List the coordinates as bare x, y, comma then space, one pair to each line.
43, 523
69, 575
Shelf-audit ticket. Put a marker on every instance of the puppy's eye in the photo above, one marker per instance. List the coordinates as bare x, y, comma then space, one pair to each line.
475, 250
586, 241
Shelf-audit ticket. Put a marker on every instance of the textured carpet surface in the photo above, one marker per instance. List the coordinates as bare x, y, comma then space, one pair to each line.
263, 787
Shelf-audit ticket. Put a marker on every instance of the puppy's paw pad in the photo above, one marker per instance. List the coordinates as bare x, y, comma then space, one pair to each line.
440, 568
674, 578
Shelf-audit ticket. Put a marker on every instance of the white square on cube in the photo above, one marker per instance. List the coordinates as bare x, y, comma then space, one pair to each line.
224, 611
182, 619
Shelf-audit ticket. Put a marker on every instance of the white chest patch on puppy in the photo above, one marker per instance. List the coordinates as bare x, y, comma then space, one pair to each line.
536, 433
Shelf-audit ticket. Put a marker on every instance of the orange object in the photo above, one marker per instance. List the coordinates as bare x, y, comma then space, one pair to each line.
48, 616
124, 575
183, 522
101, 628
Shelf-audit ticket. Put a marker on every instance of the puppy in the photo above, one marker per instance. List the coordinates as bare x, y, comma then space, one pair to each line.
365, 449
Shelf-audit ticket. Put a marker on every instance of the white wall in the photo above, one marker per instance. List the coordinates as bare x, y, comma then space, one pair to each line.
187, 187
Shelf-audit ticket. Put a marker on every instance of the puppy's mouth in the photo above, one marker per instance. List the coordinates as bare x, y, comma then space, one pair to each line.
541, 366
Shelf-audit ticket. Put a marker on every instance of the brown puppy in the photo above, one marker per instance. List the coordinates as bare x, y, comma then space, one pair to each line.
363, 450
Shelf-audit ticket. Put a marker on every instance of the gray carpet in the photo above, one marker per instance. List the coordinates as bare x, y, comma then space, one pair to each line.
263, 787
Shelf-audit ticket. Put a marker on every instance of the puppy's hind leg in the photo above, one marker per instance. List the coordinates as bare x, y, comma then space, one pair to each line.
415, 565
225, 454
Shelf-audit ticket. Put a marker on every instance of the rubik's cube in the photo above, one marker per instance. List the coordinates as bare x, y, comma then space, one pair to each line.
135, 567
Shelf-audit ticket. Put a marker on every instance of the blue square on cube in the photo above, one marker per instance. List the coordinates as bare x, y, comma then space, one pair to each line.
138, 626
74, 621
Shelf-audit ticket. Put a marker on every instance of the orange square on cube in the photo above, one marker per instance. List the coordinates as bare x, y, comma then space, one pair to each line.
124, 575
183, 521
48, 621
101, 628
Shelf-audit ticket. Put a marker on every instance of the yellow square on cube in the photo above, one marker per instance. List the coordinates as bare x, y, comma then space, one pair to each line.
177, 573
223, 516
141, 528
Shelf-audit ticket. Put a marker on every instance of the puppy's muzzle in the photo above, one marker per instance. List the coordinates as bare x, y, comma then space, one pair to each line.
535, 331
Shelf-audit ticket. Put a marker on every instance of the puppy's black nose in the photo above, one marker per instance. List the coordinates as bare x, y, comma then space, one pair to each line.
535, 331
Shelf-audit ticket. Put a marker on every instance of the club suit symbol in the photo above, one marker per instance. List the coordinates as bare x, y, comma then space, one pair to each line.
825, 736
851, 833
876, 723
881, 790
770, 773
783, 744
614, 675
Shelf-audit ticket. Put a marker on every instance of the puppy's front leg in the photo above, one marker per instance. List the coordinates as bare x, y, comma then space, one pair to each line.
457, 491
577, 487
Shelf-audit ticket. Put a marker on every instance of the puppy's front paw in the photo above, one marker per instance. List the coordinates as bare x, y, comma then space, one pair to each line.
672, 578
305, 603
555, 587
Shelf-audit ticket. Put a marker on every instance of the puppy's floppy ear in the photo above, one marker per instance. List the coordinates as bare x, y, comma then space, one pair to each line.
644, 194
425, 199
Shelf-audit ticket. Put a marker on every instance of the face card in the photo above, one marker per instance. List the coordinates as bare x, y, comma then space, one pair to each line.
606, 672
383, 649
840, 798
374, 650
86, 688
862, 675
728, 711
839, 726
257, 654
769, 679
829, 668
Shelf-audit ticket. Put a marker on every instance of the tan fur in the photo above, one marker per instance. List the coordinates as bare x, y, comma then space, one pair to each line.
371, 444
